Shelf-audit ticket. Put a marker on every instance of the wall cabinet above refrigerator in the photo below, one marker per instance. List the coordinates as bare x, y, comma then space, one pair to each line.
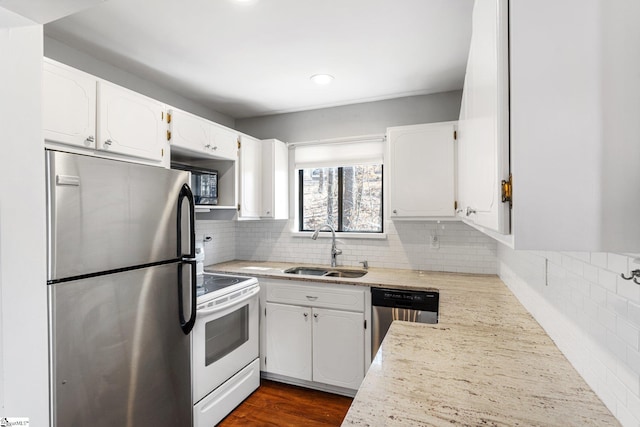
80, 110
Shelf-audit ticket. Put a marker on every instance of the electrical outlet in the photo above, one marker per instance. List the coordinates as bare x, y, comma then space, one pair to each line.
434, 241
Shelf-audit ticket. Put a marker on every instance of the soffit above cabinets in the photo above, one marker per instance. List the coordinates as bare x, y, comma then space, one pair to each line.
254, 59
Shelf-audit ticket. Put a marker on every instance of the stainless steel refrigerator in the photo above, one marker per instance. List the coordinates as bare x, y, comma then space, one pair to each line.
121, 281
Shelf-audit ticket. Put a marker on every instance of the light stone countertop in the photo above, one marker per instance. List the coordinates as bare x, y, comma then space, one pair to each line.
487, 361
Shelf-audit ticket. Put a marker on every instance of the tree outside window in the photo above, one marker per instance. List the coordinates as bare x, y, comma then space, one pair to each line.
349, 198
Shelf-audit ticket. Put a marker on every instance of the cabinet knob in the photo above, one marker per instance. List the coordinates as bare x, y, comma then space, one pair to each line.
108, 142
268, 212
315, 315
306, 315
90, 138
470, 211
207, 146
215, 147
395, 211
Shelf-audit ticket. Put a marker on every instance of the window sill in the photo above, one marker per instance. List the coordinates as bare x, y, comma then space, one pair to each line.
340, 235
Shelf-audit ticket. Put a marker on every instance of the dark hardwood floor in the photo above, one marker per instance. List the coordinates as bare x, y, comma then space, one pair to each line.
276, 404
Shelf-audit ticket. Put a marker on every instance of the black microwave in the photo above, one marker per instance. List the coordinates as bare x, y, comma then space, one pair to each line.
204, 184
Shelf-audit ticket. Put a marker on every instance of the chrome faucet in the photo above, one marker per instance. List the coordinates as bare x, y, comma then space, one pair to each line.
334, 251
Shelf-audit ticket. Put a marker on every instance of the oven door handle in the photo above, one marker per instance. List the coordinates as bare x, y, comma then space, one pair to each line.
205, 312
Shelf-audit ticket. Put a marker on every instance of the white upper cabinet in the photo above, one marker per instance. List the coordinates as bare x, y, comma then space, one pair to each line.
574, 103
264, 179
275, 180
69, 105
201, 137
188, 131
224, 142
421, 171
250, 177
80, 110
129, 123
483, 128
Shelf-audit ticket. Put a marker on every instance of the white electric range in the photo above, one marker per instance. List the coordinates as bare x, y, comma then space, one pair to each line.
225, 364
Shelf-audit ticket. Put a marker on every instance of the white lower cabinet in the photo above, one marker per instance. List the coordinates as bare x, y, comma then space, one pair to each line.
289, 340
338, 347
316, 333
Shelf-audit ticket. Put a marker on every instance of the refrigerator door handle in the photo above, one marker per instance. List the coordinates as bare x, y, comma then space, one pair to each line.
188, 258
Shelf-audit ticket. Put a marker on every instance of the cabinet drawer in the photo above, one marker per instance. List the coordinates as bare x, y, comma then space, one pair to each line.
320, 295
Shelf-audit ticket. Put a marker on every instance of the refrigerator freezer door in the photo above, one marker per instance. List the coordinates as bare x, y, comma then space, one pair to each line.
105, 214
119, 355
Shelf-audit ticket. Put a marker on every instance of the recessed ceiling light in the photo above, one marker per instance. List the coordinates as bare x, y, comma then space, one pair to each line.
322, 79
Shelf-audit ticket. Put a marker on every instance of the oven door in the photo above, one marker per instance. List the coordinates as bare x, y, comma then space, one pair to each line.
225, 339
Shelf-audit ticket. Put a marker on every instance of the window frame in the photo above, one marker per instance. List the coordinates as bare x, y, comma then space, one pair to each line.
339, 229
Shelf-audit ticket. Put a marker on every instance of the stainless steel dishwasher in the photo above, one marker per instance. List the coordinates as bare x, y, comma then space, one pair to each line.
388, 305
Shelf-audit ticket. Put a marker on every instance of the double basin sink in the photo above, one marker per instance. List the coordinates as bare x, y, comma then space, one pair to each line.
325, 272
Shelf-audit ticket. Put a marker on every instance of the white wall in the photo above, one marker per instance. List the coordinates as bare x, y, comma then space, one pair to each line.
63, 53
354, 120
590, 312
23, 288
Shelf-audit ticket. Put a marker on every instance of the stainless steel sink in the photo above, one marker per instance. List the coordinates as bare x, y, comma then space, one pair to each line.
319, 271
308, 271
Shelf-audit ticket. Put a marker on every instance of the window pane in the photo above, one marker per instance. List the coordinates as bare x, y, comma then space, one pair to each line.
320, 198
357, 207
362, 198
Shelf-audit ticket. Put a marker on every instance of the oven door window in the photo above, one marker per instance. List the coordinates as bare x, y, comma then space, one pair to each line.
225, 334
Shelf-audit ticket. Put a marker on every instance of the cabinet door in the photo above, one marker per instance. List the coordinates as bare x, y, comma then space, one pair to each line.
483, 132
275, 180
289, 340
250, 177
130, 123
338, 347
189, 132
68, 106
223, 142
421, 171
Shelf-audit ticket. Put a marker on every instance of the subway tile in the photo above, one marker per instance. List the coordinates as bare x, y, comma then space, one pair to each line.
599, 259
628, 377
628, 289
617, 263
607, 319
633, 405
616, 386
628, 332
634, 313
626, 418
608, 280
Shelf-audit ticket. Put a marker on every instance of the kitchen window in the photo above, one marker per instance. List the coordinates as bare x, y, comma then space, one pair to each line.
349, 198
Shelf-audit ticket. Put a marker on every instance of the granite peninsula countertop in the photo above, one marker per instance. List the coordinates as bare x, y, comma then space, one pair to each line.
487, 361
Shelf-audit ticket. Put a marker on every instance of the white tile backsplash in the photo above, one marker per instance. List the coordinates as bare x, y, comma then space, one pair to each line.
590, 313
462, 249
406, 246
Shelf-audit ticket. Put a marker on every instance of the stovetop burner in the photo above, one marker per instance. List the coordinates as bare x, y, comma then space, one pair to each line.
208, 283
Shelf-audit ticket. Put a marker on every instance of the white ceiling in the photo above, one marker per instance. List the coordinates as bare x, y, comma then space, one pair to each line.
255, 58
